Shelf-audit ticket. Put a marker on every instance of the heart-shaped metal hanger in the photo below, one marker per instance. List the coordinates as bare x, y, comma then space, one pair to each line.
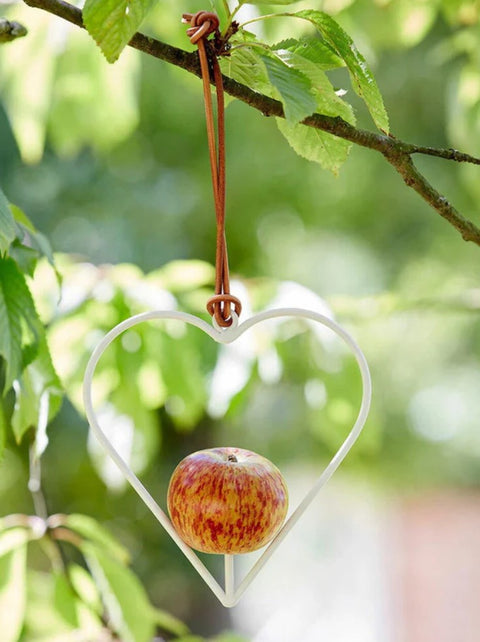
229, 595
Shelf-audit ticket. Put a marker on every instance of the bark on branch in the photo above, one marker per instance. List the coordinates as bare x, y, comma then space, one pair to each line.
397, 152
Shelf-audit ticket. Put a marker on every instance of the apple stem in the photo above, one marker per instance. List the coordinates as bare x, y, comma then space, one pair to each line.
231, 458
229, 578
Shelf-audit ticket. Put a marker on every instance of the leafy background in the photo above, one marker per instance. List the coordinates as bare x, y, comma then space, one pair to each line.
109, 162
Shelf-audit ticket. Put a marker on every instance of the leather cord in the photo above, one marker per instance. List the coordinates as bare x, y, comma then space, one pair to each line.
202, 24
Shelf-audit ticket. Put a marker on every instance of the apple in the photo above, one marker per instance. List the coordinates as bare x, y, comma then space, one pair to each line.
227, 500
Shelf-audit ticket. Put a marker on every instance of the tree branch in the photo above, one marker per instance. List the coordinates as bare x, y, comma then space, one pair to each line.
397, 152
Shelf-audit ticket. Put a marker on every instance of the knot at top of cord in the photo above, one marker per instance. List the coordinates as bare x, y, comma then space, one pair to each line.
203, 23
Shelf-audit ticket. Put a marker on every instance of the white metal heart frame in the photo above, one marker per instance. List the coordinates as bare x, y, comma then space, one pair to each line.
229, 595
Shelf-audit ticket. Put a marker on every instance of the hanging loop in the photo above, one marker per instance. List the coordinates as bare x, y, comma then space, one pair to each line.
217, 308
202, 24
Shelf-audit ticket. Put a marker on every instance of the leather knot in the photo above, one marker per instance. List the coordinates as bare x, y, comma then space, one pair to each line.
202, 24
219, 306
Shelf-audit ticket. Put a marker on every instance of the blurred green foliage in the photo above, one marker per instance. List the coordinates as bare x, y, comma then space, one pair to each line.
110, 163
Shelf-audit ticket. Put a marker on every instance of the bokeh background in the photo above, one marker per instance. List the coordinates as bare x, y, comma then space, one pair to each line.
111, 163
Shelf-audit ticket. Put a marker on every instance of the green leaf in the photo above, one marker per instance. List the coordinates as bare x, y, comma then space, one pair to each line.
54, 612
112, 23
328, 102
64, 601
362, 78
13, 593
316, 145
12, 538
35, 241
25, 257
38, 397
7, 224
124, 597
293, 87
91, 530
244, 63
85, 587
19, 322
314, 50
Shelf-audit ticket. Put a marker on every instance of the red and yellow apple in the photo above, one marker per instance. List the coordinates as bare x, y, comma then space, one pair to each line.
227, 500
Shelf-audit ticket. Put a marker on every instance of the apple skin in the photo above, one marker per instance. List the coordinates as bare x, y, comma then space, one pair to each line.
227, 500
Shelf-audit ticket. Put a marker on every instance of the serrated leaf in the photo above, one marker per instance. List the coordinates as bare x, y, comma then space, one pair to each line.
125, 599
12, 538
13, 593
312, 49
328, 102
7, 224
25, 257
112, 23
316, 145
38, 397
37, 242
294, 89
91, 530
362, 78
245, 66
19, 322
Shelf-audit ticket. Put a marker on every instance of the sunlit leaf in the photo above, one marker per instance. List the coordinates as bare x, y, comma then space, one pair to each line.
12, 538
245, 66
314, 50
7, 225
34, 240
12, 593
54, 611
293, 87
316, 145
124, 597
362, 78
85, 587
38, 397
64, 601
19, 322
112, 23
94, 532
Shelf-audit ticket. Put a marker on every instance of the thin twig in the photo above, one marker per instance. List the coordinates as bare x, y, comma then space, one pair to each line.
397, 152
